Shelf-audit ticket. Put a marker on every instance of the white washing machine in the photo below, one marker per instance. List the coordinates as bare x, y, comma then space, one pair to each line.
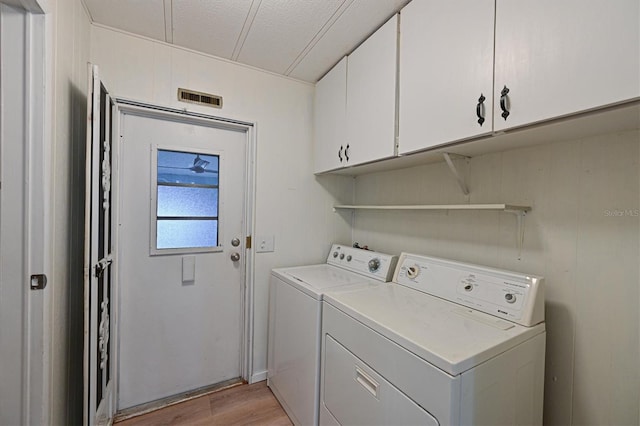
295, 319
445, 343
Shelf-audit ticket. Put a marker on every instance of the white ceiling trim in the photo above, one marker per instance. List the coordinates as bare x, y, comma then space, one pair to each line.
301, 39
87, 11
168, 21
336, 15
197, 52
246, 27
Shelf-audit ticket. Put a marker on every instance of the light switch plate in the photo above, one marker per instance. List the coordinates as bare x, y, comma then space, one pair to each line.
188, 269
265, 244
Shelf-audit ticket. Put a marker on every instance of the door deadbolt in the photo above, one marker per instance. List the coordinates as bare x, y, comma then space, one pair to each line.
235, 256
235, 242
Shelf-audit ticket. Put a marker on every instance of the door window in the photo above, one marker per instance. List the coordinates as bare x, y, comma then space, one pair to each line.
186, 191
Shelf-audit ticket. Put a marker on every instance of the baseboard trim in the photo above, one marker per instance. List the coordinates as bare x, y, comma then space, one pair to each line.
139, 410
258, 377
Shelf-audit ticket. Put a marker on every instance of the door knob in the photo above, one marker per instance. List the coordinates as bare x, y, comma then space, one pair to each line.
235, 242
235, 256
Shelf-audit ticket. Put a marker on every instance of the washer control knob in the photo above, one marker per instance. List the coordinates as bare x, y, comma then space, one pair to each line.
341, 256
335, 254
413, 271
349, 258
510, 298
374, 264
468, 287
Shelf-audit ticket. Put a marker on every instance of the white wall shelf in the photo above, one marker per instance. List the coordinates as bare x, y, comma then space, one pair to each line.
519, 211
509, 208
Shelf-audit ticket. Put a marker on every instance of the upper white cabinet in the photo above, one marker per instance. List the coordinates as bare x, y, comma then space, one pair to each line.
330, 118
552, 59
371, 96
561, 57
446, 72
355, 104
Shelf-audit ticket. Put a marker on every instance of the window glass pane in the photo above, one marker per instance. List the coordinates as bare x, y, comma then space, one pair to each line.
187, 233
186, 192
187, 168
187, 201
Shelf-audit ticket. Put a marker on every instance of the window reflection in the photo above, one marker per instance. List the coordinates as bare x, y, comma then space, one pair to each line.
187, 168
187, 196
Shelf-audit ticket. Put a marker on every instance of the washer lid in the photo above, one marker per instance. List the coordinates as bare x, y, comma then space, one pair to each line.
451, 337
316, 279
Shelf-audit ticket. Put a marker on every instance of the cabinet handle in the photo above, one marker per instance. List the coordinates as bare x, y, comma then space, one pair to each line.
503, 102
340, 153
346, 153
480, 109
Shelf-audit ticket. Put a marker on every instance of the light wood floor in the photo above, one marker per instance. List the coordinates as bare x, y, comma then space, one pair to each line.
241, 405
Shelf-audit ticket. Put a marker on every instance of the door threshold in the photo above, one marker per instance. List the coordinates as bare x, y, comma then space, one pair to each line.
148, 407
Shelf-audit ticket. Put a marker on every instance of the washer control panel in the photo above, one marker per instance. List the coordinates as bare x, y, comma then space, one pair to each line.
379, 266
513, 296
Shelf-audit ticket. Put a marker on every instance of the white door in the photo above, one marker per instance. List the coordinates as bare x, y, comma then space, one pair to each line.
371, 97
446, 72
181, 252
98, 271
562, 57
24, 238
330, 117
13, 274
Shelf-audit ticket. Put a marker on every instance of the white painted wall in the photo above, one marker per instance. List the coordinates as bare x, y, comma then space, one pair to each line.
291, 203
70, 34
582, 235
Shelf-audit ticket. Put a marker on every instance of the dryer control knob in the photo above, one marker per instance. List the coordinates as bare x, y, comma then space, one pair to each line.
374, 264
413, 271
349, 258
341, 256
335, 254
510, 298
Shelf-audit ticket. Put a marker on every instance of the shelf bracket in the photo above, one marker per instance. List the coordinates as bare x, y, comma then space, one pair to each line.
454, 170
520, 214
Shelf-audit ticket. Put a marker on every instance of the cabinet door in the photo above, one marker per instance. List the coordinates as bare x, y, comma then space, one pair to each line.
446, 64
330, 118
371, 96
562, 57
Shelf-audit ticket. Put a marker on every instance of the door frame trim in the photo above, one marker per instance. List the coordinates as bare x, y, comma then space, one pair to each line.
127, 106
33, 307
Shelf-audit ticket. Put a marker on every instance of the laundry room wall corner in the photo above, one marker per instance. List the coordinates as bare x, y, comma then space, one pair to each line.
69, 30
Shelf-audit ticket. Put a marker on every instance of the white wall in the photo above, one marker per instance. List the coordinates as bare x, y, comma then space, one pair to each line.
588, 253
71, 34
291, 203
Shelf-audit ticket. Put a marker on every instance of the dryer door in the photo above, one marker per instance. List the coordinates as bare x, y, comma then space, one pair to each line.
356, 395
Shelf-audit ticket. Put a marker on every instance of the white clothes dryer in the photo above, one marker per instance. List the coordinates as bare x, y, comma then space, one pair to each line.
295, 319
446, 343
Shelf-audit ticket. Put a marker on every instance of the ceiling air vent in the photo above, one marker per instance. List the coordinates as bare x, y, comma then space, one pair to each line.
200, 98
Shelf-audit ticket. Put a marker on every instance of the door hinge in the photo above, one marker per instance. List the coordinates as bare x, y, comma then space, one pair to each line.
101, 266
248, 242
38, 281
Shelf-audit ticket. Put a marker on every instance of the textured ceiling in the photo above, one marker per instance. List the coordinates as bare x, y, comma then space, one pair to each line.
298, 38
